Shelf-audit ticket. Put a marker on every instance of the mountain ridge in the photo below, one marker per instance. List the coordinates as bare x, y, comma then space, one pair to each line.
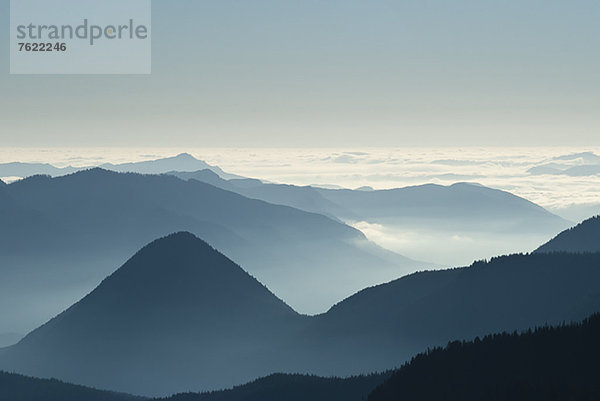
183, 161
80, 226
178, 293
161, 324
419, 200
581, 238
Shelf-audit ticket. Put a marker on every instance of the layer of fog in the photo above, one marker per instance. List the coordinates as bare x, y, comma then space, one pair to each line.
446, 247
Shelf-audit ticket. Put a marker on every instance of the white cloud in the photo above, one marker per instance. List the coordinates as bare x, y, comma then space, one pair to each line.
502, 168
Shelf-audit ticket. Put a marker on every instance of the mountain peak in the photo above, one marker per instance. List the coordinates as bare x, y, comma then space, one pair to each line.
179, 261
179, 278
185, 156
176, 306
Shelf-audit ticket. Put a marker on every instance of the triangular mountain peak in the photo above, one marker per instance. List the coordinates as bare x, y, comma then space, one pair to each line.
181, 274
176, 303
185, 156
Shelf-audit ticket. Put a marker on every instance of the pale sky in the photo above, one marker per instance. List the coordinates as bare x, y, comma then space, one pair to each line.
330, 73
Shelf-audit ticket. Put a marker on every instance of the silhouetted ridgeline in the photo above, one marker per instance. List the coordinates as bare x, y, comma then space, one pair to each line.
179, 316
471, 203
21, 388
61, 236
181, 162
549, 364
585, 237
18, 169
461, 203
431, 308
458, 205
301, 197
293, 387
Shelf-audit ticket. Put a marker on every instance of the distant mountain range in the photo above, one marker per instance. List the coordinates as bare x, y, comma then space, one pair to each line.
461, 205
558, 363
573, 171
305, 198
574, 165
585, 237
181, 162
18, 169
179, 316
463, 222
60, 236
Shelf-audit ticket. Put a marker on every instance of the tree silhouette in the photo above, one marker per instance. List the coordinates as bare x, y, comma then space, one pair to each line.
550, 363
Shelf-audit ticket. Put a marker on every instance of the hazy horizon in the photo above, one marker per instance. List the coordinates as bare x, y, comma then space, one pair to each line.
378, 167
510, 169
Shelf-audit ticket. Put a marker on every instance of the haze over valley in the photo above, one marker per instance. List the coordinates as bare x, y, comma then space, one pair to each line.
332, 200
175, 275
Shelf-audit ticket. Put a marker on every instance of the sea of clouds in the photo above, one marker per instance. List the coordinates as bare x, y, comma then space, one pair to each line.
543, 175
566, 181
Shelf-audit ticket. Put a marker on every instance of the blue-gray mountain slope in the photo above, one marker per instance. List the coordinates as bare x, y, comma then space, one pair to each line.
180, 317
60, 236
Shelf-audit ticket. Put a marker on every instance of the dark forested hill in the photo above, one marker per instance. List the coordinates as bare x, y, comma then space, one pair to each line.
385, 324
293, 387
548, 364
15, 387
585, 237
276, 387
